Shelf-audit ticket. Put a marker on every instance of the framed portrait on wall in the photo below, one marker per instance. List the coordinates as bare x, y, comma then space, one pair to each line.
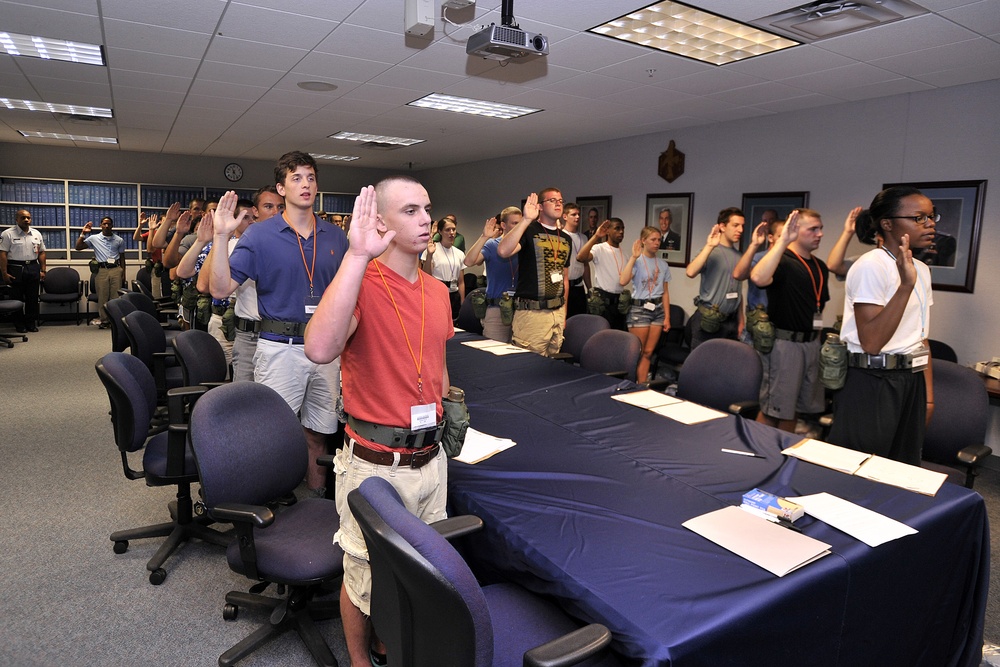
766, 206
953, 258
593, 211
671, 214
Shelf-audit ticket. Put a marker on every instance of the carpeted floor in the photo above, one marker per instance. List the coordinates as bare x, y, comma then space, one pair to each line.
65, 597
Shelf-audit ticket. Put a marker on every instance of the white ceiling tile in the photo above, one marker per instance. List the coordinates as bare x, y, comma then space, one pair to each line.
757, 93
840, 78
271, 26
247, 75
151, 82
81, 26
981, 17
593, 86
941, 58
340, 67
189, 15
153, 63
242, 51
882, 88
156, 39
893, 39
959, 75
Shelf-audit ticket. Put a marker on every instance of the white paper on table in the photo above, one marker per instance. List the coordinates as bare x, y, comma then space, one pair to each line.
457, 330
646, 398
827, 455
903, 475
480, 446
483, 344
860, 522
687, 412
501, 350
774, 548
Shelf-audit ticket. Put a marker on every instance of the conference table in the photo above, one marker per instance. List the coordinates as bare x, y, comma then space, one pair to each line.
587, 508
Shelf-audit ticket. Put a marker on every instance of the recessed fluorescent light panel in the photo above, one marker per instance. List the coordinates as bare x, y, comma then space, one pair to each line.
31, 105
376, 138
68, 137
15, 44
342, 158
474, 107
692, 33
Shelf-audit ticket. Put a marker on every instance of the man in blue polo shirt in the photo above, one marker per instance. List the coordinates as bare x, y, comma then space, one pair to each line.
109, 251
292, 256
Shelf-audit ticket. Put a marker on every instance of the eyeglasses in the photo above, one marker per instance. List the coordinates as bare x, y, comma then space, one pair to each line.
923, 220
552, 200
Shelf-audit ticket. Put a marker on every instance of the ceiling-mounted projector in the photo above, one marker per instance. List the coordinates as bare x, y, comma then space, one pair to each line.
500, 42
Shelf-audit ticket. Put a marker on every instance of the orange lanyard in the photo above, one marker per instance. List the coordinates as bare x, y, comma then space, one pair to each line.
417, 361
650, 279
818, 291
310, 270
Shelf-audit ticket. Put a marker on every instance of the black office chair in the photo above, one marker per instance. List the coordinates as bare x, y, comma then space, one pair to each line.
250, 448
166, 458
467, 319
92, 297
955, 437
942, 351
62, 287
471, 281
149, 344
722, 374
117, 309
672, 350
578, 330
9, 307
202, 360
162, 312
429, 609
612, 352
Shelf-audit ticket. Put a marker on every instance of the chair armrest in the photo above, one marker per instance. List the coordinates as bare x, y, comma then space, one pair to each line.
179, 400
562, 356
213, 385
326, 460
656, 384
258, 515
457, 526
571, 648
617, 374
973, 454
745, 408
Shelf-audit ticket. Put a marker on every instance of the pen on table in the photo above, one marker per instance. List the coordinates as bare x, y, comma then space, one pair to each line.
736, 451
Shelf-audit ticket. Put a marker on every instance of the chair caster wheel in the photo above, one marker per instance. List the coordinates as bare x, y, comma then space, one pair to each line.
157, 576
121, 546
230, 612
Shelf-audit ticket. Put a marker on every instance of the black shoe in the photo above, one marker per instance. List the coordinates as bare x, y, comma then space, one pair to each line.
104, 325
21, 329
33, 329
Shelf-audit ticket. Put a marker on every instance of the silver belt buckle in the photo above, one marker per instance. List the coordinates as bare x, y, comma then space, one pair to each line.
876, 361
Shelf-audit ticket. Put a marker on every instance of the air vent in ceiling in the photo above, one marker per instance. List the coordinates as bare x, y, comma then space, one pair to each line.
380, 146
820, 20
82, 119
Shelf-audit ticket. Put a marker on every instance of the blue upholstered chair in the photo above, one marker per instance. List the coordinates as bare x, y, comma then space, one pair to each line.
250, 448
202, 360
166, 458
579, 329
429, 609
954, 442
117, 309
62, 286
722, 374
149, 344
612, 352
10, 306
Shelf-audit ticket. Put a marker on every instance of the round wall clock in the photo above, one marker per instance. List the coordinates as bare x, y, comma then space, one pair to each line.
234, 172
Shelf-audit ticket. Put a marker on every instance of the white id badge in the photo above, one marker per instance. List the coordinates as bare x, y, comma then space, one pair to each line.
918, 363
310, 304
818, 321
556, 277
423, 417
732, 295
649, 305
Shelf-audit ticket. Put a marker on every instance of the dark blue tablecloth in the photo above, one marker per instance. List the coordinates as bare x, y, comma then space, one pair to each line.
588, 508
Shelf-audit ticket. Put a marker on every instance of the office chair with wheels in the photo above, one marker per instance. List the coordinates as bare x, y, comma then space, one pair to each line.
10, 306
166, 458
202, 360
954, 442
578, 330
672, 351
429, 609
149, 344
722, 374
62, 286
117, 309
612, 352
245, 462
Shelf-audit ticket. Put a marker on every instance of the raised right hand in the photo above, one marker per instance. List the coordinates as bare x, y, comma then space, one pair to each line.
225, 221
89, 227
364, 237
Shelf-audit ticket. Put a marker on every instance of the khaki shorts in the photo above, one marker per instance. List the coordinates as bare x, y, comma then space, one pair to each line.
540, 331
791, 385
424, 492
311, 390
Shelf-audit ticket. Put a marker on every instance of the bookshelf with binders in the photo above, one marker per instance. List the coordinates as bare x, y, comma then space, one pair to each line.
45, 200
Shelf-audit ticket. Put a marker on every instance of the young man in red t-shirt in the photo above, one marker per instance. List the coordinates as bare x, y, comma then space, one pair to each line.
388, 322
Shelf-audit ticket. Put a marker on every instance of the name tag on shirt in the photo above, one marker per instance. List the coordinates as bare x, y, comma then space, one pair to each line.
732, 295
649, 305
918, 363
423, 417
310, 304
818, 321
556, 277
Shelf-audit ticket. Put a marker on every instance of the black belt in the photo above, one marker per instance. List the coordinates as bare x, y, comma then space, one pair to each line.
394, 436
643, 302
530, 304
882, 362
107, 265
22, 262
610, 295
795, 336
244, 324
415, 459
576, 283
285, 329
